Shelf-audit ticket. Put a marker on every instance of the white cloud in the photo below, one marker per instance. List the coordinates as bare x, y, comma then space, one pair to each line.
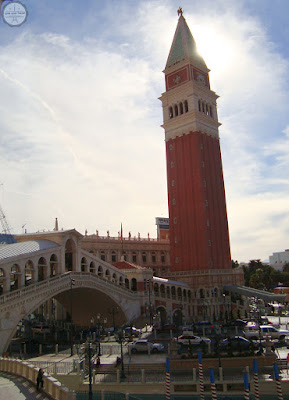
80, 137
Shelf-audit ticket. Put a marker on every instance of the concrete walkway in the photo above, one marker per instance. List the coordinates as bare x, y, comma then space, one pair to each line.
17, 388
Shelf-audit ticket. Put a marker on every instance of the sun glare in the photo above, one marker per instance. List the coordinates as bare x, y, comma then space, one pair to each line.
214, 47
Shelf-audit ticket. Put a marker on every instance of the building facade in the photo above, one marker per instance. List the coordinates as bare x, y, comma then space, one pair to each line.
147, 252
279, 259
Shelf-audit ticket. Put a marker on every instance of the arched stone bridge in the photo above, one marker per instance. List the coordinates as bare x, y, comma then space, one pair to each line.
52, 265
35, 271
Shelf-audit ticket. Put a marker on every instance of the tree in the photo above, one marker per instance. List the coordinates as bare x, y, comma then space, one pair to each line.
235, 264
286, 267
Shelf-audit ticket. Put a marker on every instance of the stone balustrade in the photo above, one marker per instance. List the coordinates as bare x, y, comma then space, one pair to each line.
52, 386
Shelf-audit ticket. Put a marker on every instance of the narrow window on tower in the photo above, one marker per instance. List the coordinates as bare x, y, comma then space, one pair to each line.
171, 147
175, 220
181, 109
211, 112
177, 260
209, 243
171, 114
186, 106
207, 109
200, 107
206, 203
173, 183
203, 107
208, 222
176, 110
174, 201
172, 164
203, 164
205, 184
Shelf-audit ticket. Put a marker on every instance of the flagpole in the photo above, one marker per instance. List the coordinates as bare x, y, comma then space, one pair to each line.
121, 239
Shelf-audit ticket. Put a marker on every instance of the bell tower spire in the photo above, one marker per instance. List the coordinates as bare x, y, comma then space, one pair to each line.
199, 235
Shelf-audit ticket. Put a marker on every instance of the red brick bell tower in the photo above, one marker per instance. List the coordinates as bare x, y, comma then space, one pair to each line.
199, 236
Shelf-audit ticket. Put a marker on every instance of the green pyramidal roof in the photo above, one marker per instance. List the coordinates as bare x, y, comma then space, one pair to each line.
184, 46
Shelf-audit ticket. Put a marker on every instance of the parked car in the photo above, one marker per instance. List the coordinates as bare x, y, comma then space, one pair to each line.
238, 344
236, 322
131, 331
143, 346
265, 331
186, 340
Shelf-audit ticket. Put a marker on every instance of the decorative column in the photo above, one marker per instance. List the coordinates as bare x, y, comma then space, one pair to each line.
201, 377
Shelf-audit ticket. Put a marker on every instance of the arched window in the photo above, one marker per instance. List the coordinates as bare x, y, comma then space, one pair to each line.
92, 267
133, 285
134, 257
200, 105
176, 110
154, 257
100, 271
42, 269
53, 265
15, 280
113, 256
156, 289
171, 114
126, 283
144, 257
186, 106
102, 255
29, 272
163, 257
211, 111
83, 265
173, 291
107, 274
181, 108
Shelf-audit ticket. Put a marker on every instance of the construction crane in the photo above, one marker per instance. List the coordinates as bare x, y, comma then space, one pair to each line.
7, 236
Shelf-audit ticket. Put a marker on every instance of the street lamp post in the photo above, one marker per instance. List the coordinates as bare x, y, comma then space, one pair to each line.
150, 304
98, 332
90, 395
122, 374
72, 283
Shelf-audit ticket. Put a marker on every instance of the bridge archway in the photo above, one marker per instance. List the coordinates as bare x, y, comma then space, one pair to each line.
19, 306
70, 255
162, 314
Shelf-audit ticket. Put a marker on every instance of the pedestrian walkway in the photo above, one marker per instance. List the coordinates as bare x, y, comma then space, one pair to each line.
17, 388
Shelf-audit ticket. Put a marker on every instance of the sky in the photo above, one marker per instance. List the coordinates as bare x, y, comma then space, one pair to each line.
80, 127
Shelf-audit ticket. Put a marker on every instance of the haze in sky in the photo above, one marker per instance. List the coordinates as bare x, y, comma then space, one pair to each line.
80, 134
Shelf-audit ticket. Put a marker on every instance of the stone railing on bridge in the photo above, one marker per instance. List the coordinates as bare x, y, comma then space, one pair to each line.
52, 386
80, 277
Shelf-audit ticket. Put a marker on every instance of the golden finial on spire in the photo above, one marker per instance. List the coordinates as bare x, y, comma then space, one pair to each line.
180, 11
